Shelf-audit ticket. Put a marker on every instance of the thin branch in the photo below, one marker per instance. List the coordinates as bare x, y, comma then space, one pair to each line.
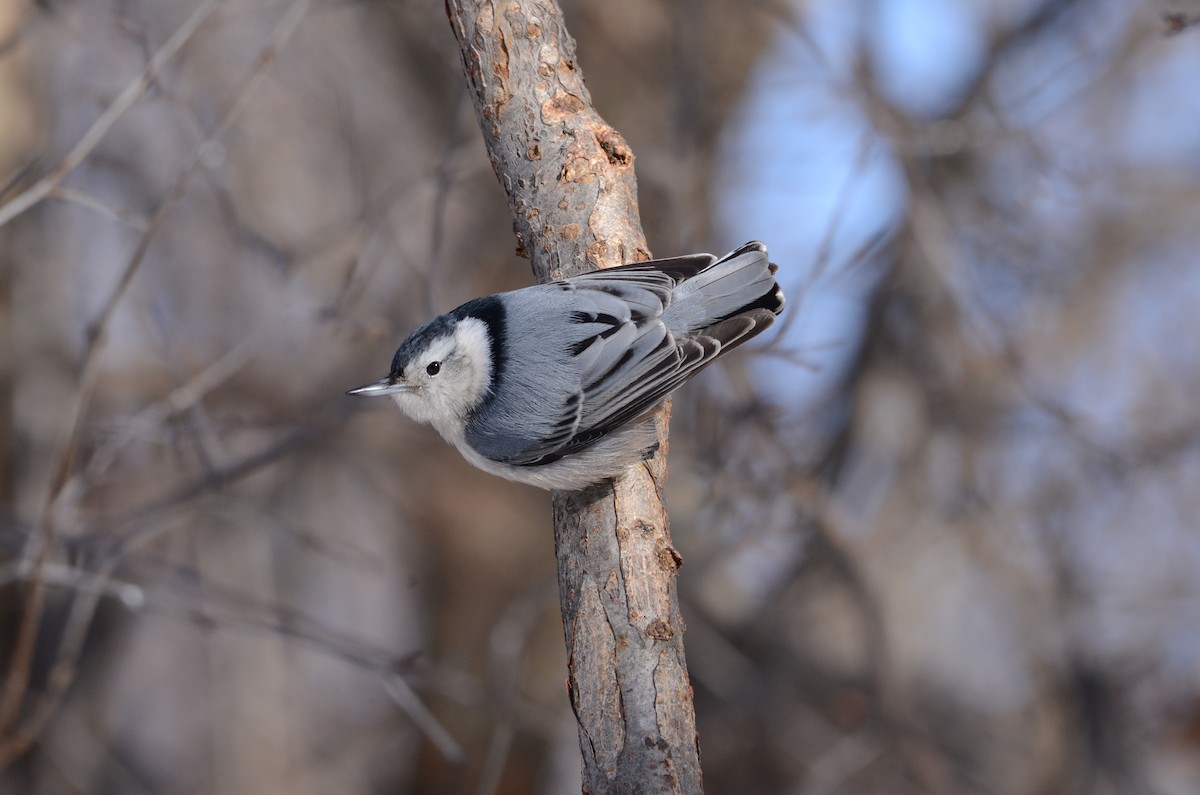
408, 701
143, 524
61, 575
1177, 21
283, 32
238, 612
19, 664
138, 527
87, 200
13, 743
123, 102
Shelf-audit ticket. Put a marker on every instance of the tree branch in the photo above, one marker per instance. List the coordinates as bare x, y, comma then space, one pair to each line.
124, 101
570, 184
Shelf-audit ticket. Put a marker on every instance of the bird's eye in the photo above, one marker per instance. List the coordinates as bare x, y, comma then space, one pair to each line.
433, 368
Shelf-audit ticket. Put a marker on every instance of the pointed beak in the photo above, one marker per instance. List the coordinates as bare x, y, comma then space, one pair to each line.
384, 387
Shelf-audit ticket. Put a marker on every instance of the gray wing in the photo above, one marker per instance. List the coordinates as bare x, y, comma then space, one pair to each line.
673, 271
627, 359
623, 339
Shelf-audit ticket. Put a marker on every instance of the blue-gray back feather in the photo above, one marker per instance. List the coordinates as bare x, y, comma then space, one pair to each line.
604, 349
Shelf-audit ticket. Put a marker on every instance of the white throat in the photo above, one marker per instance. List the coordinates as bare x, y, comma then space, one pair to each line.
470, 385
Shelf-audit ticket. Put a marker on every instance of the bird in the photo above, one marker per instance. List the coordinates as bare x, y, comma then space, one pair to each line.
555, 385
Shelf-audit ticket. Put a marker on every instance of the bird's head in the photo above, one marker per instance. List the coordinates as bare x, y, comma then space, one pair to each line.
441, 373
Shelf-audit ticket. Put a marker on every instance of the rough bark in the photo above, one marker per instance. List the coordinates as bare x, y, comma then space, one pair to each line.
570, 184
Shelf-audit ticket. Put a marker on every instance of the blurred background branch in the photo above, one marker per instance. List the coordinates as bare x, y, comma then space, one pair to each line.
940, 532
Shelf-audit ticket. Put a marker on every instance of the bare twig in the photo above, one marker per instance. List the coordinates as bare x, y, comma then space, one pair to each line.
84, 199
19, 664
408, 701
283, 32
14, 742
92, 585
238, 612
123, 102
63, 576
1177, 21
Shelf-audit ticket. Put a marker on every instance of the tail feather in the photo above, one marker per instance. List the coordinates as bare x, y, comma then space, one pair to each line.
740, 282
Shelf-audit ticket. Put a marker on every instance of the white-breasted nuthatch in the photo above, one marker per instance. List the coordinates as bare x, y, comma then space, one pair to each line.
554, 385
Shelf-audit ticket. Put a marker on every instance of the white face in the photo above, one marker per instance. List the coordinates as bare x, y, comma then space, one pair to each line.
448, 379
